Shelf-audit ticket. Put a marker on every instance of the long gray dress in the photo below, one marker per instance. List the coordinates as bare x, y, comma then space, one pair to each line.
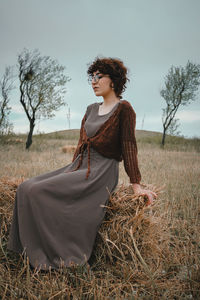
57, 215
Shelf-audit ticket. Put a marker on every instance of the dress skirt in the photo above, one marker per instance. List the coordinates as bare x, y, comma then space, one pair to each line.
57, 215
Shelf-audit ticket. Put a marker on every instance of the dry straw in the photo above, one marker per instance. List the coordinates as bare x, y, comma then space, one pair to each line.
136, 255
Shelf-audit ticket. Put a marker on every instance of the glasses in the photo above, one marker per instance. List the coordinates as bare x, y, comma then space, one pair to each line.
96, 77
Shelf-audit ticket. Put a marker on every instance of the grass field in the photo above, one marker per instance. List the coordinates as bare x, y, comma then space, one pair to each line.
161, 260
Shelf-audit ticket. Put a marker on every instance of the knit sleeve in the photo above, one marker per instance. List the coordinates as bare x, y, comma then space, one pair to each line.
129, 145
78, 148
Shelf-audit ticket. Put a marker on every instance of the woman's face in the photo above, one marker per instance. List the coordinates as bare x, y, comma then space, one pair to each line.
101, 84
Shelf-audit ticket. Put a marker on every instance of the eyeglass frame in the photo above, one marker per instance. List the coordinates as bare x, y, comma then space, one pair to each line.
97, 77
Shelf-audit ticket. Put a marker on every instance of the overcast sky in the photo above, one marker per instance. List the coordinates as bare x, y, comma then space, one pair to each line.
148, 35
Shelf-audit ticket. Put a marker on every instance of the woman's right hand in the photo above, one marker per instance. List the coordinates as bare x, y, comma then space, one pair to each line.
138, 190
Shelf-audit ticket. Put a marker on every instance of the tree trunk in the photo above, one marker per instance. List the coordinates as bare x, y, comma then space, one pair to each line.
163, 137
29, 138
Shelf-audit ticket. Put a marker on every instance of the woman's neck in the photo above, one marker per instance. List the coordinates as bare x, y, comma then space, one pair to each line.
110, 100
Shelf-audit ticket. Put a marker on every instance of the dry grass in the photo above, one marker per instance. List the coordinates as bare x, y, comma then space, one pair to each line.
140, 252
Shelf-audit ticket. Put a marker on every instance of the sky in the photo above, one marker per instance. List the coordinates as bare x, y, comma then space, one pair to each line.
149, 36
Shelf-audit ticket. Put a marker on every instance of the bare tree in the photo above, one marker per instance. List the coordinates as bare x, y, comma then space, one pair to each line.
181, 85
6, 86
42, 87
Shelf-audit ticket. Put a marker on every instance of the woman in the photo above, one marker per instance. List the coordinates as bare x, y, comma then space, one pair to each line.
57, 214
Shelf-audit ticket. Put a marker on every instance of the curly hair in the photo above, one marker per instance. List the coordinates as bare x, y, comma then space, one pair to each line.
113, 67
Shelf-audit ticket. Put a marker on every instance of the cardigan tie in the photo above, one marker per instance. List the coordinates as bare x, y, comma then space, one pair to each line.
85, 145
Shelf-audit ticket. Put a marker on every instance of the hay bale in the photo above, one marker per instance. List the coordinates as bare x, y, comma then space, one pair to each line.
132, 236
68, 149
129, 225
8, 188
18, 141
14, 141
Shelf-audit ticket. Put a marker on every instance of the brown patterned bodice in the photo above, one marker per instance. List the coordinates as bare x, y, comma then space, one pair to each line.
115, 138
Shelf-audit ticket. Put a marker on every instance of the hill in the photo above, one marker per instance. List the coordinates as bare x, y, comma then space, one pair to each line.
71, 136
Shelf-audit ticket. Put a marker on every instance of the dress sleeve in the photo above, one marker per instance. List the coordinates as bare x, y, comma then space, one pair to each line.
78, 148
129, 145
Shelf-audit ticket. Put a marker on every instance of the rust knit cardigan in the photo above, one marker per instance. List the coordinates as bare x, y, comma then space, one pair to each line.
114, 139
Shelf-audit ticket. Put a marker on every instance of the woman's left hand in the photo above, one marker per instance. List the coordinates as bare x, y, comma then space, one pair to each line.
138, 190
